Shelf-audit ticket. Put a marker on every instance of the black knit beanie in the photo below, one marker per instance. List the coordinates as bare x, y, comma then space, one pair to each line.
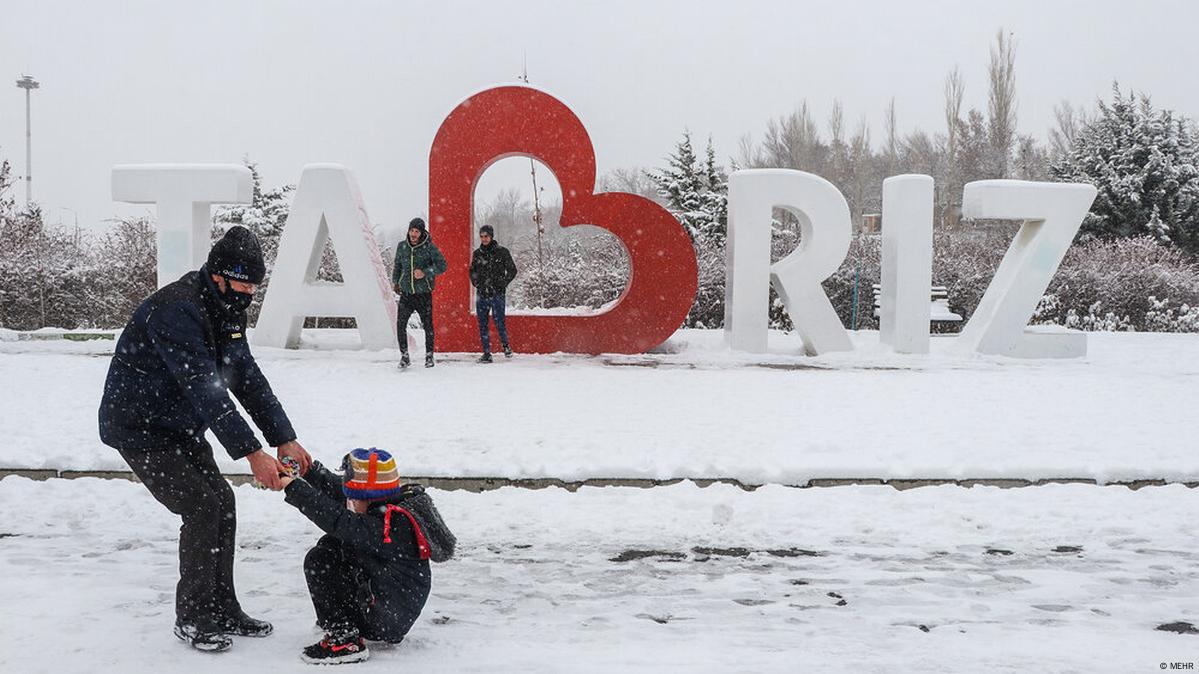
238, 256
487, 229
417, 223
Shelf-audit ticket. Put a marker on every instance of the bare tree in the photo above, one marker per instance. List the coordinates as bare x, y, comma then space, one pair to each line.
949, 190
130, 246
863, 180
892, 136
836, 122
748, 154
793, 141
955, 89
1068, 123
1001, 102
634, 181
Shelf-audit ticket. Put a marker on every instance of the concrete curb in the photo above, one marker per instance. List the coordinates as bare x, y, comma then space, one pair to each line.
481, 484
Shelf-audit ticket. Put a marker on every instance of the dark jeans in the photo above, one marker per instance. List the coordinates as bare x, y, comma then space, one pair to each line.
186, 480
493, 305
339, 595
422, 305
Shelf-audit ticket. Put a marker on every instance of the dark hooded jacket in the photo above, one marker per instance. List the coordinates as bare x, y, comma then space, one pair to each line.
423, 256
169, 380
392, 550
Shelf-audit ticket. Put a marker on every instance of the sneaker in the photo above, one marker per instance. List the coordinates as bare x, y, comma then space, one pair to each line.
428, 360
485, 358
507, 351
203, 635
242, 625
405, 361
337, 649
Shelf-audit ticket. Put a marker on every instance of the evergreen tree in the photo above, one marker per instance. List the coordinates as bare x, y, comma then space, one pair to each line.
715, 198
265, 215
681, 185
7, 203
1145, 163
697, 194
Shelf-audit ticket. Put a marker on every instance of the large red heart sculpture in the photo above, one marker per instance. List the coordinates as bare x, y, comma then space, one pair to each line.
515, 120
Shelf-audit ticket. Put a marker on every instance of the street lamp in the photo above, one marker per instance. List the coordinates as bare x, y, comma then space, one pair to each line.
27, 83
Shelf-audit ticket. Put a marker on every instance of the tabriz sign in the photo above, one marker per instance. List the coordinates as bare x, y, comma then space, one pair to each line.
519, 120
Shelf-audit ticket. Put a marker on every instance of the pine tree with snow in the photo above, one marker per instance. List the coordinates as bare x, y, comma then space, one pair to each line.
681, 185
265, 215
697, 194
715, 198
1145, 164
7, 202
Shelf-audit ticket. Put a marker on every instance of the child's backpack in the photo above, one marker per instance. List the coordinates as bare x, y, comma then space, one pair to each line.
433, 537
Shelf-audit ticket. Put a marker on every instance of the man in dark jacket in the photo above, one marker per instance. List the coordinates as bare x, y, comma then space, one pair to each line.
167, 384
368, 576
491, 270
417, 263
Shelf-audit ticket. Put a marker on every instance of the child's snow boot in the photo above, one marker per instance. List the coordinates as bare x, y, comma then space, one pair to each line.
339, 646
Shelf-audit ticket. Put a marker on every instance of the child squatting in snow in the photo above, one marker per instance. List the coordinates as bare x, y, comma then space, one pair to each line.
368, 576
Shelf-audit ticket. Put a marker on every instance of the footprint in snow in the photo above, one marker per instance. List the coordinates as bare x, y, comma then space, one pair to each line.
1180, 627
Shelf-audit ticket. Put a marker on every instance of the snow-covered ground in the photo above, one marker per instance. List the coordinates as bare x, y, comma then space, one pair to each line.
1062, 578
679, 578
693, 410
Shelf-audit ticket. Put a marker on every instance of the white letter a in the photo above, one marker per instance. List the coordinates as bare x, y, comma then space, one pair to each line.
327, 206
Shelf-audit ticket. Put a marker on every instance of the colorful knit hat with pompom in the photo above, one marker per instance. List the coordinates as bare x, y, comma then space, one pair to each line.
370, 475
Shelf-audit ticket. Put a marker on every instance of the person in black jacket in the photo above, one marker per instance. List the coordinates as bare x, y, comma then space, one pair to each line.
491, 270
178, 357
368, 576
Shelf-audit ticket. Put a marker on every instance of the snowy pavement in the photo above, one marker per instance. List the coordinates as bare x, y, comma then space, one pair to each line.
694, 410
942, 579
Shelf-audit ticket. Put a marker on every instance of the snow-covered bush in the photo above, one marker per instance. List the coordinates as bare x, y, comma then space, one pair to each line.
1145, 163
1124, 284
48, 274
579, 272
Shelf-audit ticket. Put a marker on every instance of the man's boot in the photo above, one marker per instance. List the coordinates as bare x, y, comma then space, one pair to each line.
428, 360
203, 635
507, 351
485, 358
242, 625
405, 361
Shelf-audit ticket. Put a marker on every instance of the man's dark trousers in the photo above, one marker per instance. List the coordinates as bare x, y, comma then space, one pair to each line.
422, 305
493, 305
187, 481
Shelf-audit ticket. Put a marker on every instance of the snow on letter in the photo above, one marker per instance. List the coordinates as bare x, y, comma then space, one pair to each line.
184, 194
904, 310
1052, 214
327, 206
825, 234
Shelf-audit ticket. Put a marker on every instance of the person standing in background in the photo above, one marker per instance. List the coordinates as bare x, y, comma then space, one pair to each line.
491, 270
417, 263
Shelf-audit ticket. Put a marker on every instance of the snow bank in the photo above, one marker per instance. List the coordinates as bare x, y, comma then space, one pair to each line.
694, 409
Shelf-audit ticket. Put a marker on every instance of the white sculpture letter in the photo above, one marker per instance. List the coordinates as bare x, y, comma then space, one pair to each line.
184, 194
327, 206
1052, 214
824, 242
904, 310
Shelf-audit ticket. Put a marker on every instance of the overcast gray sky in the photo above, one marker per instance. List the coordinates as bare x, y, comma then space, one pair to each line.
368, 83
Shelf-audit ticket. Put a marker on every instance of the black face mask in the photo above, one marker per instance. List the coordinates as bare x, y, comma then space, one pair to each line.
236, 301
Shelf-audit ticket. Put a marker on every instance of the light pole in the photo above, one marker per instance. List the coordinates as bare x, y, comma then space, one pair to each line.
27, 83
